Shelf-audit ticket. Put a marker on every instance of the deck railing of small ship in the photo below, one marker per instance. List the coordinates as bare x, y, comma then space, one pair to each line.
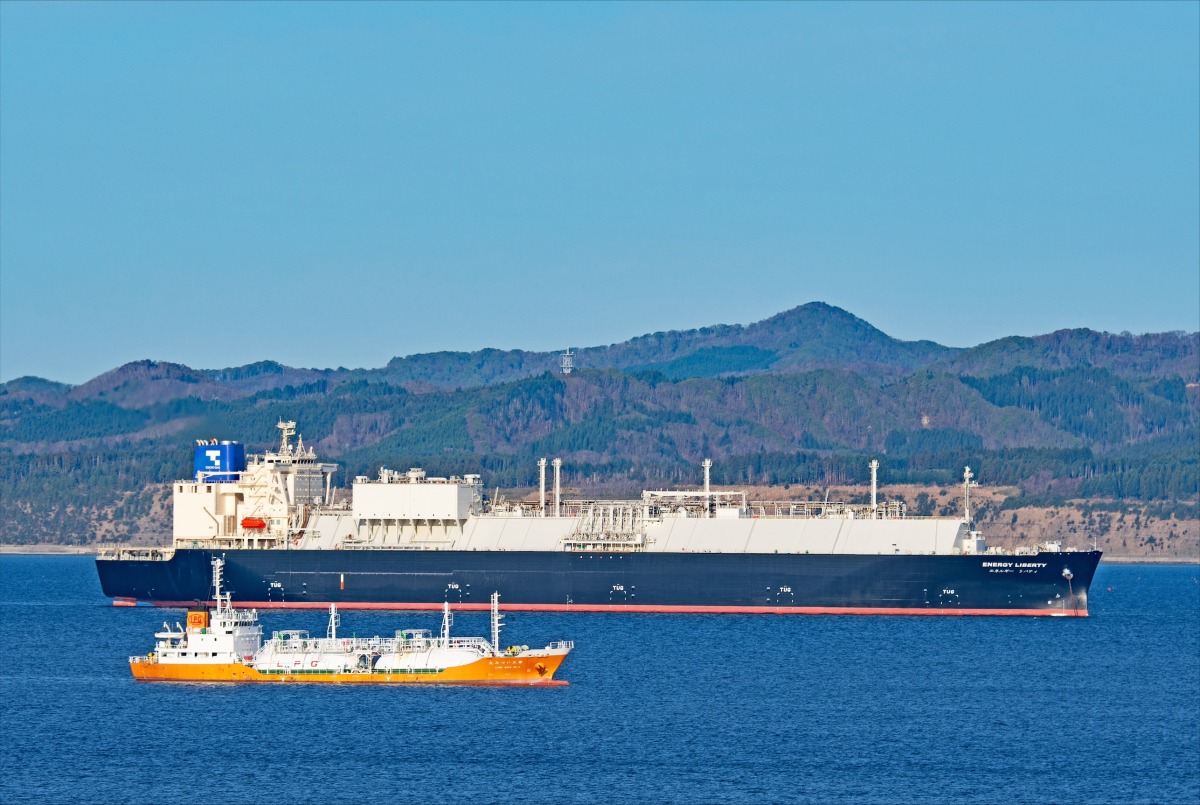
296, 643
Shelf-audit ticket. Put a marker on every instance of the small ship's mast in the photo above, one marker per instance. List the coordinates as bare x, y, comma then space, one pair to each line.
224, 600
967, 484
496, 622
335, 620
447, 619
567, 361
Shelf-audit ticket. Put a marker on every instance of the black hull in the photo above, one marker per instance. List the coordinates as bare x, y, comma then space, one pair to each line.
648, 582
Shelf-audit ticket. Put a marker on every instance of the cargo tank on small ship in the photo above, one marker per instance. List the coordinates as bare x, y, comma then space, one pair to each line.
409, 541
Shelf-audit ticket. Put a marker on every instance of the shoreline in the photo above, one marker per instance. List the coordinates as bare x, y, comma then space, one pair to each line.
50, 550
1150, 560
92, 550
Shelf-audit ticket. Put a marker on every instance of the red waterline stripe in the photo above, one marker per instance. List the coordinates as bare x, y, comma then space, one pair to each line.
645, 608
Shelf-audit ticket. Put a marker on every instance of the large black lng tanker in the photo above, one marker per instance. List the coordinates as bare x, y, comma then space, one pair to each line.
408, 541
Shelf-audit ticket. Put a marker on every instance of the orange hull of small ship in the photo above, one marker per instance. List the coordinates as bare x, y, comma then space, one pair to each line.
487, 671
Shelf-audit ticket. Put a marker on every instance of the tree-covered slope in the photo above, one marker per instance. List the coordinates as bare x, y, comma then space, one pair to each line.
1153, 355
804, 397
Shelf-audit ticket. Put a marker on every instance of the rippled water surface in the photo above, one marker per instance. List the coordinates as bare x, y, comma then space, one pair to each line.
661, 708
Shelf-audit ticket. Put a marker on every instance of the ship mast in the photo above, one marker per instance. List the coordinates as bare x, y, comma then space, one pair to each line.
967, 484
447, 619
541, 487
287, 431
334, 621
708, 502
496, 622
224, 600
874, 486
557, 487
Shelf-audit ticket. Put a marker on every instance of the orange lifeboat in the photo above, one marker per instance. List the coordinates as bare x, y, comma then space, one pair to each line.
254, 522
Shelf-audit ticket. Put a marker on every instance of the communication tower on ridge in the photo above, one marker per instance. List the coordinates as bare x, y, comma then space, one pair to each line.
568, 361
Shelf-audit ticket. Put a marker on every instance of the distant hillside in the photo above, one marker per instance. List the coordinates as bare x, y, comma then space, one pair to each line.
812, 336
1155, 355
802, 397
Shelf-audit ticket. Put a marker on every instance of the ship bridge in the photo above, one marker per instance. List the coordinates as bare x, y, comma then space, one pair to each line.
235, 500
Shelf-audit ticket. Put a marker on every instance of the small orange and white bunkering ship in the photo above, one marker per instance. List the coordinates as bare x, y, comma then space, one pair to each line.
224, 644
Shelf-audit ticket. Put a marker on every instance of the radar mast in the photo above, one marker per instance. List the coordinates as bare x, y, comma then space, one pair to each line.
287, 431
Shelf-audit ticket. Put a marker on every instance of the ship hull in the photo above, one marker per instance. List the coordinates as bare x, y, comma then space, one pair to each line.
495, 671
1035, 584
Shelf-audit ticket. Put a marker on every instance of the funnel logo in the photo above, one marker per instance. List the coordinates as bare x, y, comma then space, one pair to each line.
214, 459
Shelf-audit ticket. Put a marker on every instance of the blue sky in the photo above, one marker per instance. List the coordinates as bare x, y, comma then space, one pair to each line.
334, 185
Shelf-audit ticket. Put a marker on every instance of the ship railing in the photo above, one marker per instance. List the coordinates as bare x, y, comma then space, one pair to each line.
141, 554
591, 546
476, 643
353, 644
425, 544
559, 645
301, 643
822, 510
409, 644
582, 541
759, 515
567, 508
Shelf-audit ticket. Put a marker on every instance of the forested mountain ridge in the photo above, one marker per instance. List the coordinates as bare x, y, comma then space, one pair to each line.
802, 397
1152, 355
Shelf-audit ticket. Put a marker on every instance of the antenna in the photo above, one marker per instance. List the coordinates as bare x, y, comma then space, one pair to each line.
567, 361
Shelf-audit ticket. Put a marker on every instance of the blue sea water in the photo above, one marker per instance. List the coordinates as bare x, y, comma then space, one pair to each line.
661, 708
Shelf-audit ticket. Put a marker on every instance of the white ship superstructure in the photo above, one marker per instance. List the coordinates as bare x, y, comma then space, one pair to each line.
406, 540
284, 500
273, 500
